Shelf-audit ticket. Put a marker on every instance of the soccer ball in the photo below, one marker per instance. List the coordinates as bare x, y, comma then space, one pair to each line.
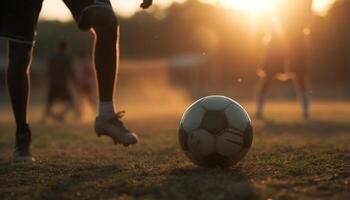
215, 131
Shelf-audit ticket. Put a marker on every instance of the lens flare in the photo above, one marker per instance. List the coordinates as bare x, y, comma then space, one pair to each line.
320, 7
253, 6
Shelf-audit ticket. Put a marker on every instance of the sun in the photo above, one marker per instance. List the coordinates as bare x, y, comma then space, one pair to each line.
253, 6
320, 7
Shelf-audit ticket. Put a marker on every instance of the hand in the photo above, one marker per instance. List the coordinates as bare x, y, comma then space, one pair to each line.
146, 4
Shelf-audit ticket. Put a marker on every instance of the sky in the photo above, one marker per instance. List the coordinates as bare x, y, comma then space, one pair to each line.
56, 10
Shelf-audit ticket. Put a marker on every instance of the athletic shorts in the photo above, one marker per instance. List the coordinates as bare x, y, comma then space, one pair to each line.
59, 93
277, 58
18, 18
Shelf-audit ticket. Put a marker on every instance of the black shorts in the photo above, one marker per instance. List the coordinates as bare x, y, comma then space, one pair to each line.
277, 58
18, 18
59, 93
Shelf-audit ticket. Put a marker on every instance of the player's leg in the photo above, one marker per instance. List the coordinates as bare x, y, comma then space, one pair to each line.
273, 63
18, 84
49, 104
46, 113
303, 94
68, 105
17, 24
91, 98
61, 116
299, 63
105, 28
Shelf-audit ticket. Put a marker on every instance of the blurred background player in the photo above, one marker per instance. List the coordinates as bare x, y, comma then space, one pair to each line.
61, 76
86, 83
286, 55
18, 20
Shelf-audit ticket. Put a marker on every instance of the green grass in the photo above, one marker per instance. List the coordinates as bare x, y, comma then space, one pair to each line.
290, 159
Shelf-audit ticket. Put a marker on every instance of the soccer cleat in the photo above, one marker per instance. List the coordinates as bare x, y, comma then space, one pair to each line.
23, 152
114, 128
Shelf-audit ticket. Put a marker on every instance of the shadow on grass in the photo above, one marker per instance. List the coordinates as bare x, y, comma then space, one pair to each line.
54, 180
200, 183
89, 176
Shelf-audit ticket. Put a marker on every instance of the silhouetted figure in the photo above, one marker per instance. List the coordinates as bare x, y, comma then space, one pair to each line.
61, 77
286, 51
86, 84
18, 21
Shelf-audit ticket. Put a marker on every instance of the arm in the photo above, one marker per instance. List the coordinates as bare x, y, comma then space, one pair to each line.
146, 4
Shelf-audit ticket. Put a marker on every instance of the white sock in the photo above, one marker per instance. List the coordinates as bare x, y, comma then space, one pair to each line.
106, 109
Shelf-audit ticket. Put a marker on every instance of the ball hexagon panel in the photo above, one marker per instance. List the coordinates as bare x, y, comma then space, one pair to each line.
229, 142
192, 118
237, 117
214, 122
200, 143
215, 103
248, 136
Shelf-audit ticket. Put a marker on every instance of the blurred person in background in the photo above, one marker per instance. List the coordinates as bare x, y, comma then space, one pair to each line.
86, 84
18, 21
286, 51
61, 76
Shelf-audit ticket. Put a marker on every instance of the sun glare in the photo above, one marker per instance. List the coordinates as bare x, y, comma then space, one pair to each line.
254, 6
258, 6
321, 6
54, 9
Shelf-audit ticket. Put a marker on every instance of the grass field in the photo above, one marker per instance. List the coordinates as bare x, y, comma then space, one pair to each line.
289, 159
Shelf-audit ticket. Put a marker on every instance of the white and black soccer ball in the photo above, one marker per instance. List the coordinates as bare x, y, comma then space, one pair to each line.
215, 131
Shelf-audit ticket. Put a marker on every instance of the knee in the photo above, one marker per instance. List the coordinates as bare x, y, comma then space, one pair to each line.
105, 24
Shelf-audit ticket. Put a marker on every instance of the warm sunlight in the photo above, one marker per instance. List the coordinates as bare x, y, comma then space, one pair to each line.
56, 10
320, 7
254, 6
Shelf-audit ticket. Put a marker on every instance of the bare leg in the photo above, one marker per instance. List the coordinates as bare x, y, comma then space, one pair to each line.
61, 116
18, 80
301, 88
91, 99
47, 112
105, 29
